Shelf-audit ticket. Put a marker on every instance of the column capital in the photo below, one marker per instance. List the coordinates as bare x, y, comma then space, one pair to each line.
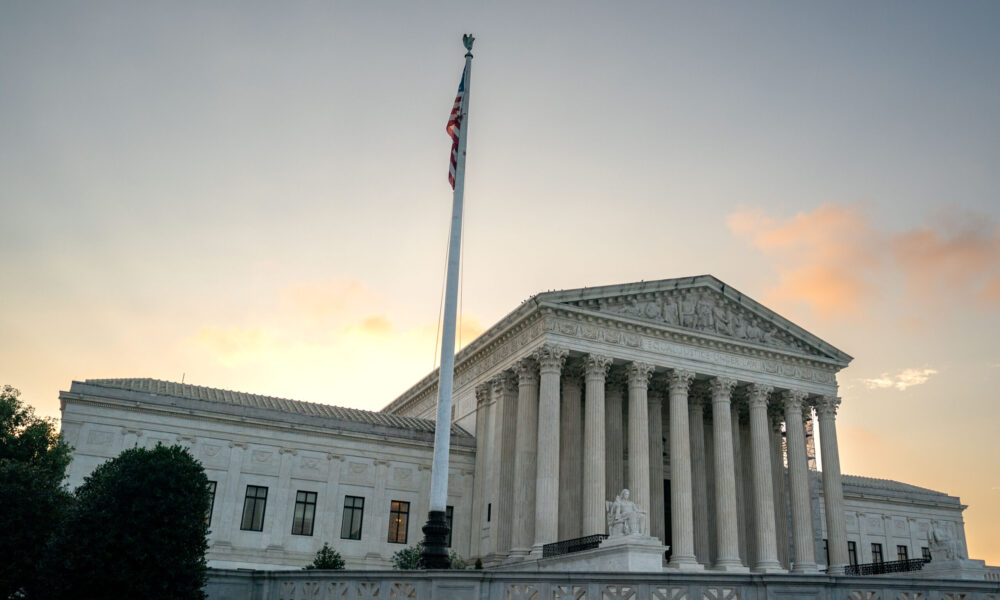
638, 373
826, 406
504, 381
680, 380
757, 395
483, 393
596, 366
550, 357
792, 399
616, 378
527, 371
722, 388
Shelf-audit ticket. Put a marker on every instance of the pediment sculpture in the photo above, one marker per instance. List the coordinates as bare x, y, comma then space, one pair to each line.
706, 311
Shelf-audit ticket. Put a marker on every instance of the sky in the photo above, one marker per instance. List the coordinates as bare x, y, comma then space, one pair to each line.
254, 196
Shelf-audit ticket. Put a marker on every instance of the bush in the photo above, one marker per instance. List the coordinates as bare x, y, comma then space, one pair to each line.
409, 558
137, 530
412, 557
479, 564
327, 558
33, 500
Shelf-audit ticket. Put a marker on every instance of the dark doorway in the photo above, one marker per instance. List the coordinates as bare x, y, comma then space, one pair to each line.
667, 532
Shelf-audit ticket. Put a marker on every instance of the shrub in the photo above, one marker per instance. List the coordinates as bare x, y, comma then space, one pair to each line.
137, 530
409, 558
327, 558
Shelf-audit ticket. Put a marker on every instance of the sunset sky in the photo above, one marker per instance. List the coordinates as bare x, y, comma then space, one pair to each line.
254, 196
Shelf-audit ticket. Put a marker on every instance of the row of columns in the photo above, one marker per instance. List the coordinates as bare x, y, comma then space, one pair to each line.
547, 414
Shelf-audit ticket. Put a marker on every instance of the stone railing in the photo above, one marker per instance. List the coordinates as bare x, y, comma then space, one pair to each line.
992, 573
513, 585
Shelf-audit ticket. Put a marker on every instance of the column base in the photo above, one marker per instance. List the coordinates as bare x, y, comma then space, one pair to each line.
684, 563
804, 568
836, 569
536, 551
770, 567
730, 567
517, 554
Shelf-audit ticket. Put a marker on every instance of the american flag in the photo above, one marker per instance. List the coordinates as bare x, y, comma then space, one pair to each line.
454, 129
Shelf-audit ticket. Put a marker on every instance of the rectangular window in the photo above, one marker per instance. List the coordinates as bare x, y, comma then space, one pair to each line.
902, 553
925, 552
449, 517
253, 508
852, 552
489, 512
305, 512
876, 553
354, 510
399, 518
211, 502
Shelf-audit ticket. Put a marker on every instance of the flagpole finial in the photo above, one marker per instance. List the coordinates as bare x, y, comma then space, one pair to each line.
467, 39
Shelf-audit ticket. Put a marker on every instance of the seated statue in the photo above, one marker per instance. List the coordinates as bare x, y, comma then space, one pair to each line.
942, 544
624, 517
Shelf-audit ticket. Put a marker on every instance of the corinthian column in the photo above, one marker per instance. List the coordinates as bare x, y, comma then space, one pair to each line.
638, 433
763, 494
657, 524
525, 468
504, 441
726, 522
571, 454
550, 361
804, 559
699, 473
481, 483
681, 508
614, 470
593, 432
833, 491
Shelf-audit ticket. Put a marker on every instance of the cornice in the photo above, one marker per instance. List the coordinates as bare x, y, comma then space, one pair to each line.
254, 423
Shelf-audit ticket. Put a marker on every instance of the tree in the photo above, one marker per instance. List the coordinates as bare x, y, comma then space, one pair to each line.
137, 530
327, 558
33, 461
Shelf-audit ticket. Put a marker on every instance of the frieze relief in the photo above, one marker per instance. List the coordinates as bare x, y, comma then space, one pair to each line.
705, 311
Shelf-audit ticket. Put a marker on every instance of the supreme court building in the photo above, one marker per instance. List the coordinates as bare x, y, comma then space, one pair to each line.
696, 398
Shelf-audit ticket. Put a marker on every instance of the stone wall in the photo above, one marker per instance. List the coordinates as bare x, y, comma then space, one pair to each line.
312, 585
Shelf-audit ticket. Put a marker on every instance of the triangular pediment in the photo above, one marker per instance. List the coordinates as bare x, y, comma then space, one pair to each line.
702, 305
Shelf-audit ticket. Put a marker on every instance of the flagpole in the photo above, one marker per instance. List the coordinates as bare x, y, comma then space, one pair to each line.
436, 530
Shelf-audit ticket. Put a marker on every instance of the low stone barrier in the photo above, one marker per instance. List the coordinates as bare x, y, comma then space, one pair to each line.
508, 585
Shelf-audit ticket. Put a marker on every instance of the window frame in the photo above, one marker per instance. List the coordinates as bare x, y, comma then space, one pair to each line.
299, 521
399, 514
925, 552
353, 511
257, 498
902, 552
852, 552
449, 518
212, 487
877, 556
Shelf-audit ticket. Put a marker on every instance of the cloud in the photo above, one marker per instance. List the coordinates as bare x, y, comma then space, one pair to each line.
960, 258
826, 259
906, 378
835, 262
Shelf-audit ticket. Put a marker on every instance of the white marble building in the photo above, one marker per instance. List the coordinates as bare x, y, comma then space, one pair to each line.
693, 396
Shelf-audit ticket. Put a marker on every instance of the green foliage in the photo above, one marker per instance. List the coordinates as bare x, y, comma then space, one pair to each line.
327, 558
409, 558
137, 530
412, 557
33, 463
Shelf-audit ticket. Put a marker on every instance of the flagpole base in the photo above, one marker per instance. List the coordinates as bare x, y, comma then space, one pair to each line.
436, 530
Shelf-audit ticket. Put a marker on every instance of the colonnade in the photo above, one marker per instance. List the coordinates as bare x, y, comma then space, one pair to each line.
557, 446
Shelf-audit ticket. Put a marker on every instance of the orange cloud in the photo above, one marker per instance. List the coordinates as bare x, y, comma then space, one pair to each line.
904, 379
825, 259
833, 260
964, 261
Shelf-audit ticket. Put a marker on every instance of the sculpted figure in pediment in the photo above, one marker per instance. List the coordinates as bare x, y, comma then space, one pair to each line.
688, 304
671, 312
705, 313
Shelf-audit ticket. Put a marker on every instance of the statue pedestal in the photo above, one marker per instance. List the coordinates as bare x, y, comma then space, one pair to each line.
956, 568
632, 553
